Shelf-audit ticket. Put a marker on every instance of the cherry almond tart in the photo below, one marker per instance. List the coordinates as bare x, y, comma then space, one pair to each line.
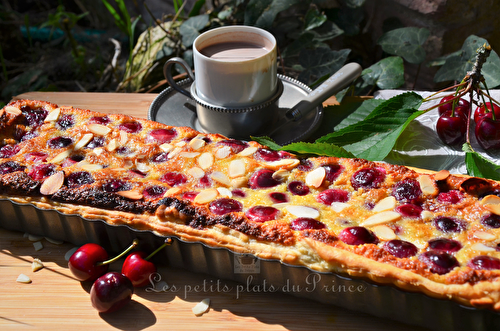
431, 232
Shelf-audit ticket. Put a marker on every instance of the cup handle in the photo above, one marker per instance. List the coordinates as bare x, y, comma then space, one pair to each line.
167, 72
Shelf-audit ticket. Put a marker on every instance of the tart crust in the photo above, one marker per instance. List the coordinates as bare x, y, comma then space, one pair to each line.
188, 173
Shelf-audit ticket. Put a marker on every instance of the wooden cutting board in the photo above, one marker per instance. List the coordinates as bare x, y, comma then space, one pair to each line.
56, 301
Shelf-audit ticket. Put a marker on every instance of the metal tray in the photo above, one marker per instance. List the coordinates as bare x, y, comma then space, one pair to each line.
173, 108
355, 294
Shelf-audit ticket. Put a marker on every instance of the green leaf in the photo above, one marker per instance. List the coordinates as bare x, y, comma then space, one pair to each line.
317, 148
190, 29
478, 166
374, 137
388, 73
320, 62
362, 111
196, 8
262, 13
456, 66
313, 19
405, 42
266, 141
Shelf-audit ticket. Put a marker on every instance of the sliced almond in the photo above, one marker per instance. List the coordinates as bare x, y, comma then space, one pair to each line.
112, 145
52, 184
174, 152
427, 215
384, 232
223, 152
22, 278
196, 143
172, 191
315, 178
388, 203
36, 265
32, 237
196, 172
338, 207
91, 167
491, 203
442, 175
239, 182
99, 129
38, 246
12, 110
482, 248
428, 185
201, 307
53, 115
283, 163
248, 151
206, 196
166, 147
61, 156
181, 143
483, 235
132, 195
123, 137
237, 168
303, 211
205, 160
98, 151
142, 167
189, 155
281, 175
381, 218
83, 141
220, 178
225, 192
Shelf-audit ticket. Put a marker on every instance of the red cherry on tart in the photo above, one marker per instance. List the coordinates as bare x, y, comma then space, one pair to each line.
451, 128
446, 104
111, 292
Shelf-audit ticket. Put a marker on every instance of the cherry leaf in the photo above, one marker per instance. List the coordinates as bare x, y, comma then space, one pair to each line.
323, 149
478, 166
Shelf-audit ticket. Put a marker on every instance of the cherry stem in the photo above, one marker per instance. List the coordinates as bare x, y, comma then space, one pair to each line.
132, 246
167, 242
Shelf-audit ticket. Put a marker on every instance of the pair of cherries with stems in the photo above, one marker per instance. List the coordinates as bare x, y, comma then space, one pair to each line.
455, 117
112, 290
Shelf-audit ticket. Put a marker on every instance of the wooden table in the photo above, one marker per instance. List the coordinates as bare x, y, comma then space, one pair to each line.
56, 301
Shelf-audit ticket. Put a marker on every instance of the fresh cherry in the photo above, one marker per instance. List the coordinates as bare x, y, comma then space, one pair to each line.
90, 261
446, 104
451, 128
111, 292
485, 109
487, 132
138, 268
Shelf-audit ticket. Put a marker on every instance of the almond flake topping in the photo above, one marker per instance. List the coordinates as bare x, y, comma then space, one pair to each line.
381, 218
442, 175
281, 174
221, 178
52, 184
172, 191
206, 196
384, 232
112, 145
237, 168
123, 137
283, 163
491, 203
83, 141
12, 110
338, 207
166, 147
196, 172
99, 129
61, 156
189, 155
206, 160
427, 185
482, 247
91, 167
132, 195
484, 235
224, 192
387, 203
239, 182
223, 152
427, 215
197, 143
174, 152
142, 167
315, 178
53, 115
303, 211
248, 151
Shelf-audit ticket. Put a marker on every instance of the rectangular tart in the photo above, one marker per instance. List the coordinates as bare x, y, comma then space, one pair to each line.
427, 232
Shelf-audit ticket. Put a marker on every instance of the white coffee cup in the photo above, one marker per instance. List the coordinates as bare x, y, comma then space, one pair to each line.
235, 66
